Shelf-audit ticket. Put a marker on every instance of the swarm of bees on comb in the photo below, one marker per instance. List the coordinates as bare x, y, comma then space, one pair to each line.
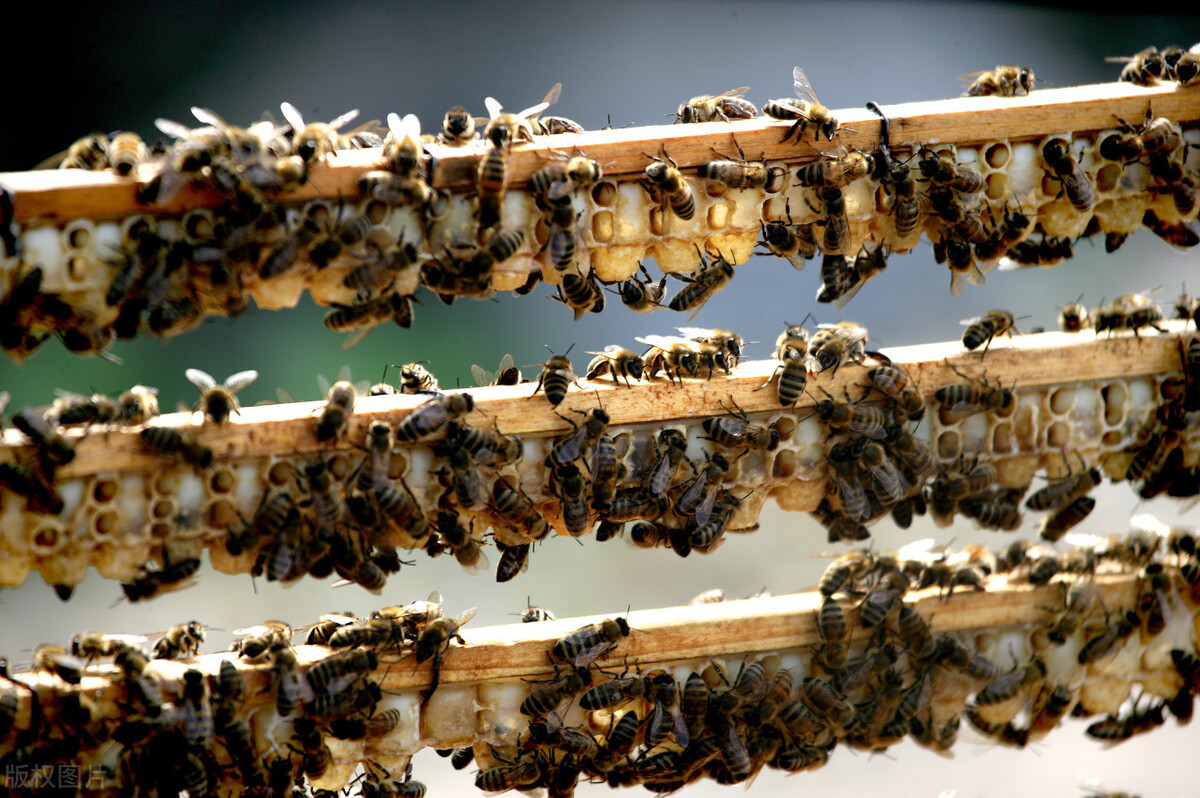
439, 479
864, 669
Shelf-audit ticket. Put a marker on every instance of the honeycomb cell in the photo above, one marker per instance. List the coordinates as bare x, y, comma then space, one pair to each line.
376, 211
1062, 400
1108, 178
996, 186
996, 155
280, 474
222, 514
222, 481
718, 215
1003, 441
1059, 435
166, 482
105, 490
46, 539
163, 509
106, 524
604, 193
198, 225
603, 226
949, 444
784, 464
78, 269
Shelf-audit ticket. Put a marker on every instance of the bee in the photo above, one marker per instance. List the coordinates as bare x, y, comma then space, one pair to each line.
1182, 184
589, 643
739, 432
1131, 311
506, 373
837, 226
791, 373
415, 379
711, 278
663, 178
197, 714
1006, 235
665, 716
489, 448
1114, 729
1003, 81
153, 582
315, 140
271, 516
836, 172
1073, 317
126, 151
833, 345
337, 671
892, 486
1066, 170
1143, 68
515, 507
556, 377
1186, 68
219, 401
555, 181
615, 692
1106, 642
1180, 235
55, 660
316, 754
434, 641
865, 420
896, 384
643, 296
671, 451
522, 775
1009, 684
982, 330
699, 494
808, 111
726, 106
430, 418
89, 152
1062, 492
791, 241
1060, 521
940, 169
504, 129
821, 698
1047, 252
676, 357
458, 128
728, 343
461, 542
53, 449
335, 416
395, 190
617, 362
960, 401
180, 641
259, 639
581, 294
491, 178
835, 635
1156, 136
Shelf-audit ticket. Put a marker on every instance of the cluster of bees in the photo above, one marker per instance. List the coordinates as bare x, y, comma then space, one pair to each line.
166, 274
192, 733
1152, 66
878, 674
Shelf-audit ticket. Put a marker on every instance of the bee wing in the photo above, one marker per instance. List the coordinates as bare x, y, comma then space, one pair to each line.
849, 294
973, 275
956, 283
663, 342
493, 107
323, 384
694, 333
172, 128
201, 379
482, 376
970, 76
506, 363
533, 110
969, 322
466, 616
410, 127
552, 96
358, 336
236, 382
804, 87
705, 510
922, 550
292, 115
1145, 522
345, 119
210, 117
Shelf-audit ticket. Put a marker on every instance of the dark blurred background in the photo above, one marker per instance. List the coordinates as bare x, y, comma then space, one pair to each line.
115, 66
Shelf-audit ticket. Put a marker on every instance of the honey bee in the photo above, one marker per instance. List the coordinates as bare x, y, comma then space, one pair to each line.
1062, 492
677, 357
1178, 235
834, 345
335, 416
737, 431
1073, 317
835, 635
315, 140
336, 672
491, 183
180, 641
430, 418
940, 169
259, 639
743, 175
1156, 136
837, 225
555, 181
126, 151
1060, 521
617, 362
465, 479
581, 294
458, 128
821, 698
53, 449
711, 278
513, 560
605, 471
982, 330
895, 383
1106, 642
219, 401
89, 152
504, 129
561, 241
172, 441
960, 401
663, 179
556, 377
1066, 170
726, 106
461, 542
515, 507
791, 373
791, 241
643, 296
837, 171
434, 641
1182, 184
589, 643
1131, 311
506, 373
1003, 81
171, 575
808, 111
1143, 68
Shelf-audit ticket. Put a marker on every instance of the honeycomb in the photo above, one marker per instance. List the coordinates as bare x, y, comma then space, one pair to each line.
87, 278
892, 645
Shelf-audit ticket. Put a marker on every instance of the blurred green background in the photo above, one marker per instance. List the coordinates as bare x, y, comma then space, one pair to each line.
121, 65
